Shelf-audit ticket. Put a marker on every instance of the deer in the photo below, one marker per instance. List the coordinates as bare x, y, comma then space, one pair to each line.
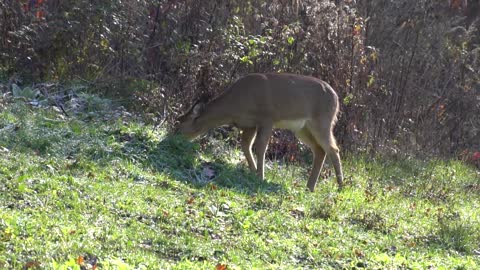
259, 102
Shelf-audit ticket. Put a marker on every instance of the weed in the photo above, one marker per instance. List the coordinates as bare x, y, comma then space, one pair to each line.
455, 232
370, 219
325, 210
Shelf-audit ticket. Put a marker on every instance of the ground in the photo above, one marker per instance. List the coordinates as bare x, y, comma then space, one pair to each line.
100, 189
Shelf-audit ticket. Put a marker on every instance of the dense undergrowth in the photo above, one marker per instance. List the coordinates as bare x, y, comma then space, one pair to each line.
99, 189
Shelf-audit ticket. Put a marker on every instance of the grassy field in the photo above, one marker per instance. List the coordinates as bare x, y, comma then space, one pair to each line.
101, 190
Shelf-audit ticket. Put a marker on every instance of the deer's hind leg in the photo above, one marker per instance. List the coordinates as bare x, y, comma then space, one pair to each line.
318, 156
323, 134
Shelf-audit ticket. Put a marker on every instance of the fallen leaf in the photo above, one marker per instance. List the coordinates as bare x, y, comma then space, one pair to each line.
80, 260
191, 200
31, 264
221, 267
298, 212
358, 253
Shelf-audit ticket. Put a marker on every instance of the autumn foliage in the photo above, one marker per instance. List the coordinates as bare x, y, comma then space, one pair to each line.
407, 71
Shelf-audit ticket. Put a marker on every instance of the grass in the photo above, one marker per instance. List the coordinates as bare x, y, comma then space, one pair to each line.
101, 190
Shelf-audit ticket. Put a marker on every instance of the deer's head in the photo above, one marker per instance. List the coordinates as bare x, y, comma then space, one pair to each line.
188, 125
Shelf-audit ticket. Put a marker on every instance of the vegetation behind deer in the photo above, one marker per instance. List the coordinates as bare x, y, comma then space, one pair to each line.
407, 72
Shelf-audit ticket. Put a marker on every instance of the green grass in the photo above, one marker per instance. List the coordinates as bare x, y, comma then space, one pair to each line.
106, 190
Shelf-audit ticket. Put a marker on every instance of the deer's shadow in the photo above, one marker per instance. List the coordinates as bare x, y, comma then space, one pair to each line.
180, 159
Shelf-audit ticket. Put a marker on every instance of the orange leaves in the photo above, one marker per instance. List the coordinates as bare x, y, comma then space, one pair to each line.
39, 14
471, 157
39, 2
190, 200
32, 265
87, 263
213, 187
220, 266
80, 260
458, 4
36, 7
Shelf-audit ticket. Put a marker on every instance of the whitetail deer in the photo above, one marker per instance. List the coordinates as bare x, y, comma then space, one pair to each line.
257, 103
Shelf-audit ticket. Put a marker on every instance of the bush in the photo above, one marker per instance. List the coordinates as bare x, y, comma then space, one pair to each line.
406, 71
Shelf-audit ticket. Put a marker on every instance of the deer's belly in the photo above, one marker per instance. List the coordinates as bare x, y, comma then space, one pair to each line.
293, 125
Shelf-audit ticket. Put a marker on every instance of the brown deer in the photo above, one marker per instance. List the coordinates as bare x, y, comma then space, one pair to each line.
257, 103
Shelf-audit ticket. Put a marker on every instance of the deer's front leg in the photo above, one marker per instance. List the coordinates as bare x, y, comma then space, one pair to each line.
261, 142
248, 135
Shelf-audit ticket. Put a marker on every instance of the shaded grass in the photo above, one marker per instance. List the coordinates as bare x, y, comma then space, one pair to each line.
119, 194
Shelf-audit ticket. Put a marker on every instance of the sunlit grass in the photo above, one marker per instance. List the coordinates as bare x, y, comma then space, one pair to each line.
119, 194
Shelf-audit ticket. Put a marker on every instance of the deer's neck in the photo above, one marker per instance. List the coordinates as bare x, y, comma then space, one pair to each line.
215, 114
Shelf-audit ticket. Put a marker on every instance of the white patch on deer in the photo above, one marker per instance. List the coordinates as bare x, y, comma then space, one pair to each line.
293, 125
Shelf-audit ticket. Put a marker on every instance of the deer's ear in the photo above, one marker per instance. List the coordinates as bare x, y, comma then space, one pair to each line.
198, 109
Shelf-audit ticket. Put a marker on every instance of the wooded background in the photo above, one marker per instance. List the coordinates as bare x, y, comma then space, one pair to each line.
407, 71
